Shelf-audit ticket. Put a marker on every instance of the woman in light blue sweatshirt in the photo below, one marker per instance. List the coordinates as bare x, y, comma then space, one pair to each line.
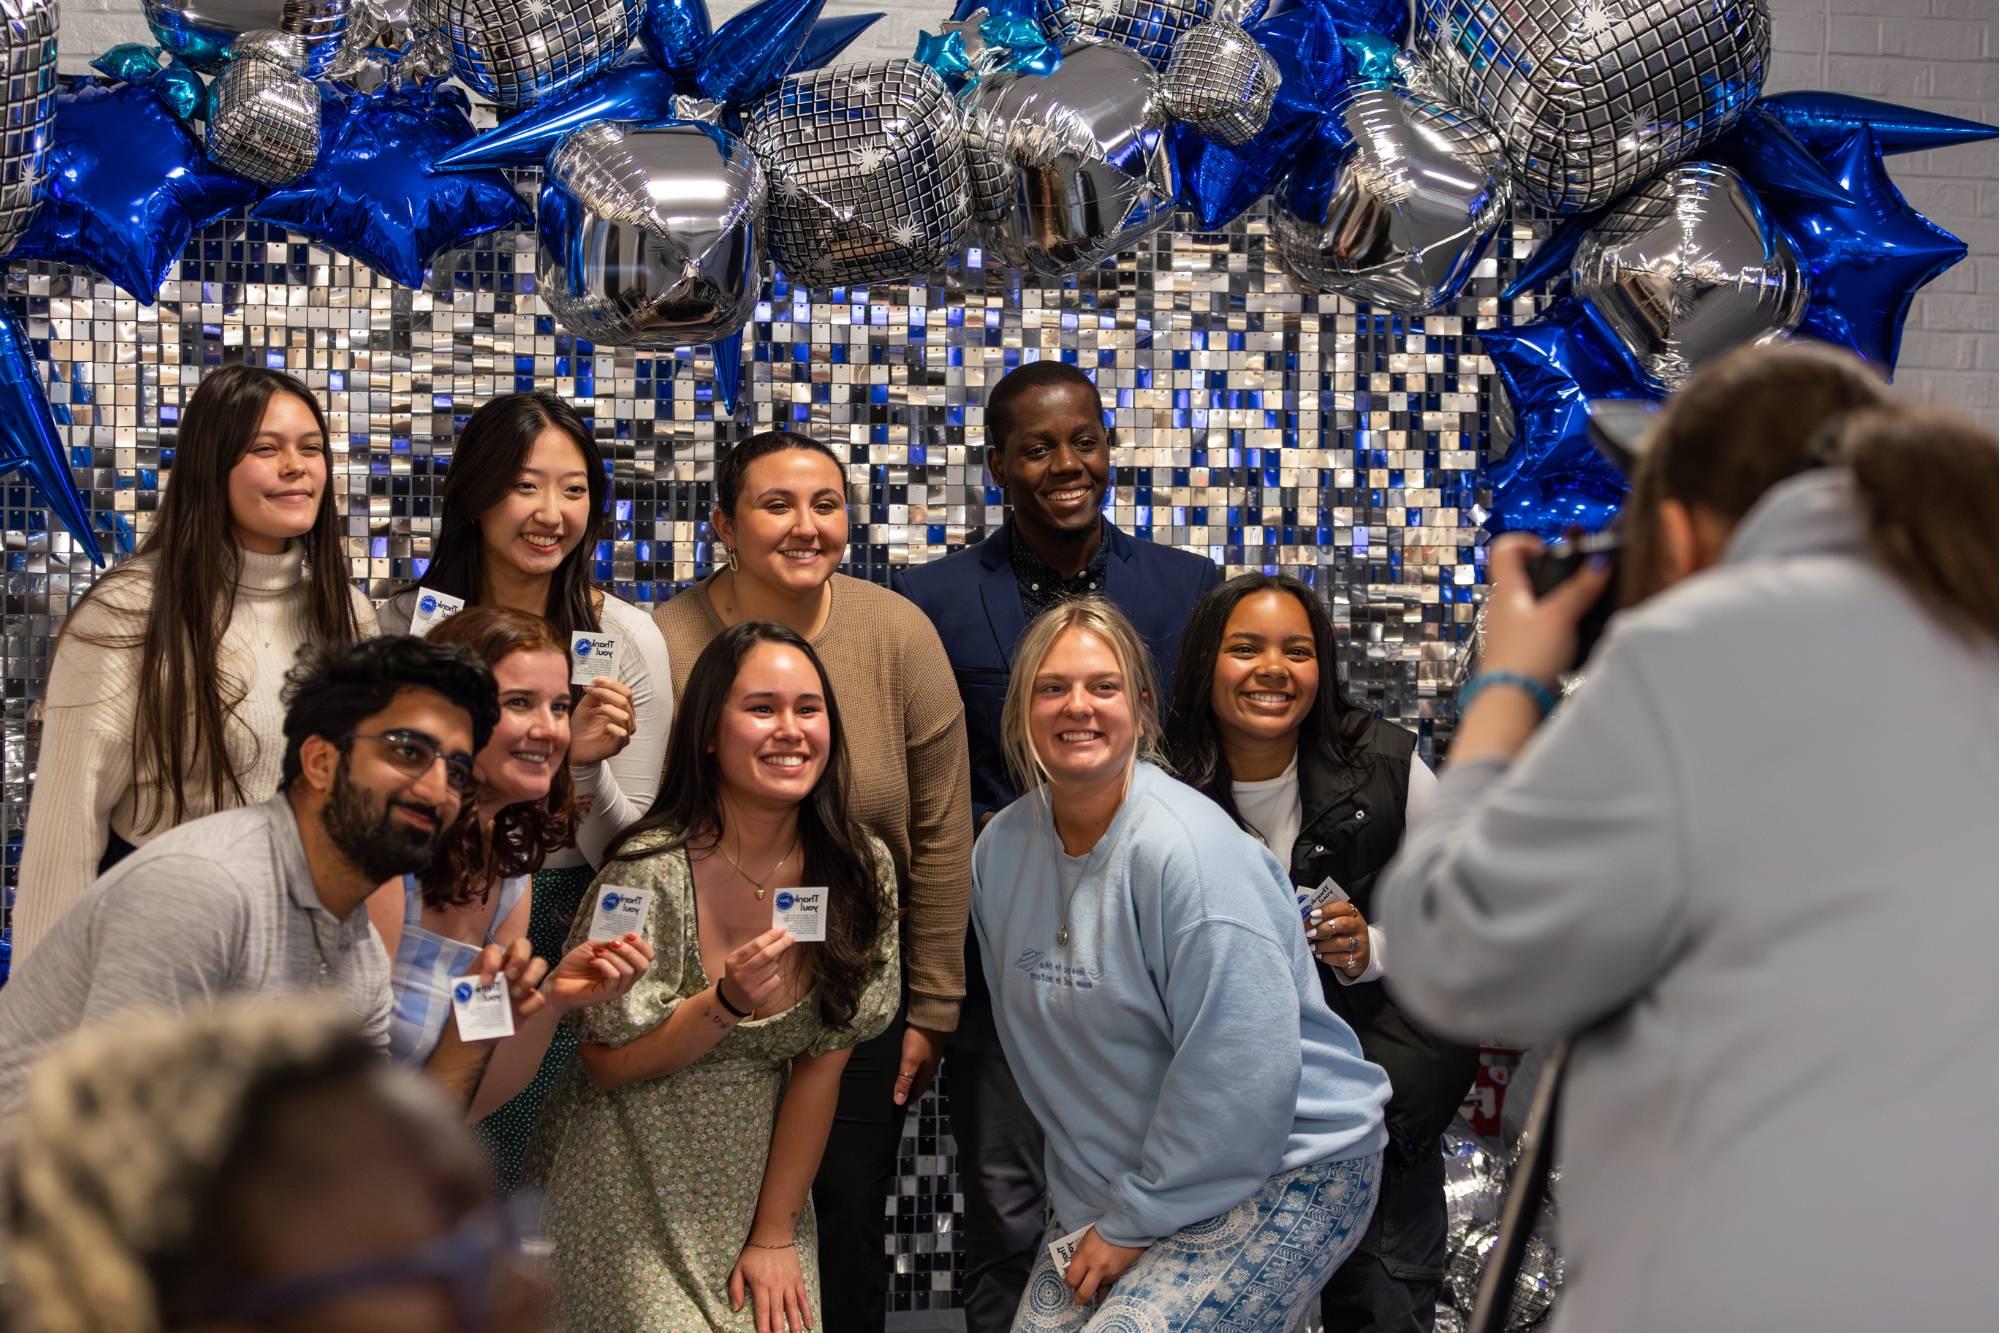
1213, 1131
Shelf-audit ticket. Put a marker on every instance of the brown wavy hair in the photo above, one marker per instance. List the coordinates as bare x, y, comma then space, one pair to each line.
185, 700
468, 864
1925, 479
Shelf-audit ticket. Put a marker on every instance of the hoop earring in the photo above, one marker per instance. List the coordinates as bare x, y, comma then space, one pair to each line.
728, 558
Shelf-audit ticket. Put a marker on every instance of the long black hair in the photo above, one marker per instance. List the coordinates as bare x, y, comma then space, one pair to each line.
689, 810
484, 466
1332, 723
185, 699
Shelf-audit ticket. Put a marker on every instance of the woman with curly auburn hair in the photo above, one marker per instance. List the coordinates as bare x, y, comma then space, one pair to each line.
477, 893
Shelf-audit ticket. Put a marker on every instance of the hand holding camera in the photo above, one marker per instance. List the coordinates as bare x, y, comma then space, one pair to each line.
1541, 604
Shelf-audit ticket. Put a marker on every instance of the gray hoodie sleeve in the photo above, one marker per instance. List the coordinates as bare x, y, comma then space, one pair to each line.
1542, 895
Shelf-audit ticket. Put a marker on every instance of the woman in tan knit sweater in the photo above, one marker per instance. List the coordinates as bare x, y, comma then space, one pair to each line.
162, 701
781, 521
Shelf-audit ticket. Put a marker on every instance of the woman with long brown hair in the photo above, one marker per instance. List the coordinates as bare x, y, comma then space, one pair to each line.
1748, 867
678, 1190
163, 698
477, 893
523, 512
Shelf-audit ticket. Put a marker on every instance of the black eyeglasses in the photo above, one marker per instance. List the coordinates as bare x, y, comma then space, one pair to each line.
412, 753
469, 1260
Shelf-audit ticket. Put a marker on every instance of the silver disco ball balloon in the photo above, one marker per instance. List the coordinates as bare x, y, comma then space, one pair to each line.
1149, 28
1069, 168
650, 237
1399, 215
514, 52
263, 119
1593, 96
28, 46
203, 32
867, 172
1535, 1286
1221, 82
1686, 267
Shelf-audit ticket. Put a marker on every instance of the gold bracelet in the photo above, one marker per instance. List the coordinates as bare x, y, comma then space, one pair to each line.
788, 1245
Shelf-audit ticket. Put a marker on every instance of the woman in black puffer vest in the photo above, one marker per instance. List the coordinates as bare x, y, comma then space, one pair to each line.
1258, 722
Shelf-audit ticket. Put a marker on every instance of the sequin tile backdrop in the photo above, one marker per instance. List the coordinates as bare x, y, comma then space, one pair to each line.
1261, 426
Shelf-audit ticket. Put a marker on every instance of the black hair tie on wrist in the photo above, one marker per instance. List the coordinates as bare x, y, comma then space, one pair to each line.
722, 998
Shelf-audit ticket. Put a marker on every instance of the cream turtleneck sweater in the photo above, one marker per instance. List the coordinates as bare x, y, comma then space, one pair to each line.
87, 786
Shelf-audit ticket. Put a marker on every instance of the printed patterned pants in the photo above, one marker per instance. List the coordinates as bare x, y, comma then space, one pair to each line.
1256, 1268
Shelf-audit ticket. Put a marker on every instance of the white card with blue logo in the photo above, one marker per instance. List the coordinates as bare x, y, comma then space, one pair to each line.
802, 912
433, 609
619, 912
1327, 894
483, 1012
1064, 1250
592, 655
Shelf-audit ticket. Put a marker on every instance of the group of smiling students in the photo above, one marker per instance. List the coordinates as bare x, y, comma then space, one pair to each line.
1155, 1047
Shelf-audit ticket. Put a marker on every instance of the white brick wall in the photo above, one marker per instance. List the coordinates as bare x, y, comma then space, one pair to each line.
1937, 54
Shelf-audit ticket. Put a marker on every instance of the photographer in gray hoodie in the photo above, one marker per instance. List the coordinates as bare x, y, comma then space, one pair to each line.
1749, 866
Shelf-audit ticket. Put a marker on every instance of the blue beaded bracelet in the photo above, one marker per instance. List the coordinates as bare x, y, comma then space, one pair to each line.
1540, 693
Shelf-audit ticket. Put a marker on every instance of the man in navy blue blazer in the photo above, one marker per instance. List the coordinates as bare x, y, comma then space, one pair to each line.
1049, 449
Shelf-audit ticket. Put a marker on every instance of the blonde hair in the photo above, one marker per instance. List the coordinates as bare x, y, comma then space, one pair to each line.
122, 1138
1093, 615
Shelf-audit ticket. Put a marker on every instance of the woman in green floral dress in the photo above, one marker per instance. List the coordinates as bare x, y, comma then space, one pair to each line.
683, 1158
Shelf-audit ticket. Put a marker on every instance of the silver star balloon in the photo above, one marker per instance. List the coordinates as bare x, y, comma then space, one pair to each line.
204, 32
1593, 96
1400, 215
1069, 168
1686, 267
1149, 28
263, 119
869, 165
28, 45
516, 51
650, 237
1221, 82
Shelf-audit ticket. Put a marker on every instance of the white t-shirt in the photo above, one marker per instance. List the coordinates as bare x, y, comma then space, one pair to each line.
1271, 808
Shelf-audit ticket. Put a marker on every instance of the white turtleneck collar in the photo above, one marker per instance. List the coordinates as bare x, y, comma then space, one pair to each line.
270, 575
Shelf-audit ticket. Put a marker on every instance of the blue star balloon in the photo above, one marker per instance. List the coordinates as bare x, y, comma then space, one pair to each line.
1823, 120
829, 37
751, 53
633, 88
1866, 259
372, 195
1219, 181
1553, 479
126, 186
28, 441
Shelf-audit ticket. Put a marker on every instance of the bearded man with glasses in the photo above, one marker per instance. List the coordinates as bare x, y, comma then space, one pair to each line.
269, 898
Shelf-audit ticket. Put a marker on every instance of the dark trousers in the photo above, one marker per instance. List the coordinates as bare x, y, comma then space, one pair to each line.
1391, 1283
853, 1186
1000, 1174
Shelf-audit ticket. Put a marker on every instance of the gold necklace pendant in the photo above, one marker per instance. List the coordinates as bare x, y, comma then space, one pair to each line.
760, 891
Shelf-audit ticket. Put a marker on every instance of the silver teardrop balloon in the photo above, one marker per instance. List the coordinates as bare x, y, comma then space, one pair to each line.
203, 32
1686, 267
264, 118
1069, 168
650, 237
28, 41
1400, 215
1221, 82
517, 51
867, 172
1593, 96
